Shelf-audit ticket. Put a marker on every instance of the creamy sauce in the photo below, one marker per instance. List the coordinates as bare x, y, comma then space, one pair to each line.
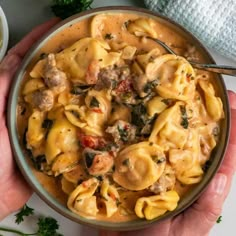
79, 30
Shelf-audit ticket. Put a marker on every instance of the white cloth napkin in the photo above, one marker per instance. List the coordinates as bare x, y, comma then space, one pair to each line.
213, 22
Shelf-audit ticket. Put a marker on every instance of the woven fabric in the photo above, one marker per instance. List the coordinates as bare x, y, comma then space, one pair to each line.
212, 21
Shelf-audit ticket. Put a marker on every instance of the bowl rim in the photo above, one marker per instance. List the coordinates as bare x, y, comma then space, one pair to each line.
19, 154
5, 33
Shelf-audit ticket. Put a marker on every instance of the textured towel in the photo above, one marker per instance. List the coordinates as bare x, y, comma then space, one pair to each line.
212, 21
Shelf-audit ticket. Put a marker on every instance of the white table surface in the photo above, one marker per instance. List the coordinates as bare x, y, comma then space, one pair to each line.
22, 16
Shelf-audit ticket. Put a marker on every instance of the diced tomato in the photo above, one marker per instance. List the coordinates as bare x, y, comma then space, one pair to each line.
112, 195
124, 86
97, 110
90, 141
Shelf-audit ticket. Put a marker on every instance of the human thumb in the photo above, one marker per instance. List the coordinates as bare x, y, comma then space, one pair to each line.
208, 207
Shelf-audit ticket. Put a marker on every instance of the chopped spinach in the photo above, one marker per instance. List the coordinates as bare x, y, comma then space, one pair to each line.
206, 166
79, 89
184, 121
75, 113
89, 157
47, 124
123, 133
94, 103
138, 115
109, 36
126, 162
167, 101
161, 160
150, 85
38, 161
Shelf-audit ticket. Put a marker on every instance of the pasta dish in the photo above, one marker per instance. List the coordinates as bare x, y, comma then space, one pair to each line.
123, 127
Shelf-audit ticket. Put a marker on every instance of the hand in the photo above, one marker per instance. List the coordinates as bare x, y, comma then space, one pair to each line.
13, 188
202, 215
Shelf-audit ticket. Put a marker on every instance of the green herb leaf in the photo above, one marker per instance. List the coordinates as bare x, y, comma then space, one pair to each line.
184, 121
24, 211
94, 103
89, 156
219, 219
150, 85
47, 227
126, 162
109, 36
66, 8
123, 133
47, 124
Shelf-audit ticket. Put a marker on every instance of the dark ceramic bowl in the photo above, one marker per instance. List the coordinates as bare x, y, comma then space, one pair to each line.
29, 173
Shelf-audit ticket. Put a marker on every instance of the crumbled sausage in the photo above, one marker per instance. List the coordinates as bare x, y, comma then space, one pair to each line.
43, 99
53, 77
165, 182
122, 132
110, 76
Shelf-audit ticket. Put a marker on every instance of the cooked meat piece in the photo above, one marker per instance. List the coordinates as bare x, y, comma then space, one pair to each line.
110, 76
166, 181
97, 162
53, 77
122, 132
43, 99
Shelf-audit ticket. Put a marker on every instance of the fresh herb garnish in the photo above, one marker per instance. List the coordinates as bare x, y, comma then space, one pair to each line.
126, 162
219, 219
109, 36
206, 166
184, 121
126, 23
79, 89
47, 226
89, 156
167, 101
94, 103
138, 115
66, 8
47, 124
150, 85
25, 211
123, 133
161, 160
75, 113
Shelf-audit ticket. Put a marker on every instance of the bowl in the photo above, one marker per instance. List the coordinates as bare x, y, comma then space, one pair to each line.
4, 34
35, 179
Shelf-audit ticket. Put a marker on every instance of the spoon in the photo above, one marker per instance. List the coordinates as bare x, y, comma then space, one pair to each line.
220, 69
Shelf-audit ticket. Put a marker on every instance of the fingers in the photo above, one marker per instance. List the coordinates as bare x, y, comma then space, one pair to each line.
22, 47
11, 62
208, 207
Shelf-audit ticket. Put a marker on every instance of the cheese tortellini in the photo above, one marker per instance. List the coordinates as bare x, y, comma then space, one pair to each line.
123, 127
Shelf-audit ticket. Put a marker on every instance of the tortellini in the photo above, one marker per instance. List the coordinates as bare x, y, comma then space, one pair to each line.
82, 200
61, 138
142, 27
168, 131
139, 166
213, 104
154, 206
124, 127
35, 133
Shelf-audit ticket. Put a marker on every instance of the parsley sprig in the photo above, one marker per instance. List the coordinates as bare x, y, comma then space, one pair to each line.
47, 226
25, 211
66, 8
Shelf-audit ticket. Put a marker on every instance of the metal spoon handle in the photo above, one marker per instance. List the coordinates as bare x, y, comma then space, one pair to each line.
221, 69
